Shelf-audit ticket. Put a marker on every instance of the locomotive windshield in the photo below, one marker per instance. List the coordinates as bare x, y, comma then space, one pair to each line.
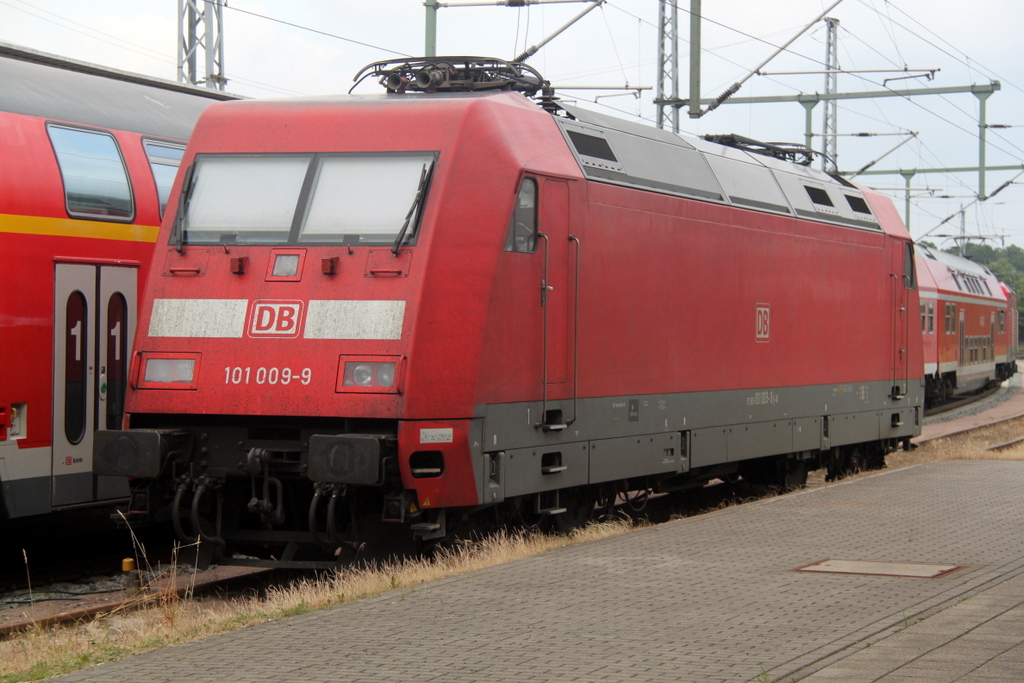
304, 199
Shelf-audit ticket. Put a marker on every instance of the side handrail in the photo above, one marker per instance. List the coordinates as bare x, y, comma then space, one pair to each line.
576, 333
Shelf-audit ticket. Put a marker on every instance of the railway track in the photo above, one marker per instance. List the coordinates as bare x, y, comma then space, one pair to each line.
976, 427
66, 603
1003, 446
950, 406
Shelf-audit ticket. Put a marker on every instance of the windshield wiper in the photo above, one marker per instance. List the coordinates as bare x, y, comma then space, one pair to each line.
178, 229
428, 169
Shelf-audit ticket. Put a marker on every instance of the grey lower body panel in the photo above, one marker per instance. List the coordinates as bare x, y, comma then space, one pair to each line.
25, 497
32, 495
623, 437
85, 488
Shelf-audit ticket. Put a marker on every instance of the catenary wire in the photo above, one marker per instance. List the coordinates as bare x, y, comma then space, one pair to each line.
941, 49
224, 4
131, 47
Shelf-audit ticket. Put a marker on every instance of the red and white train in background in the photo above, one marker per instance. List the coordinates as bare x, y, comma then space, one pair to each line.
968, 325
402, 309
87, 159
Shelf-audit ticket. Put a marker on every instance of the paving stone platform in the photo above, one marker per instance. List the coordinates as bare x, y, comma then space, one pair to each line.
709, 598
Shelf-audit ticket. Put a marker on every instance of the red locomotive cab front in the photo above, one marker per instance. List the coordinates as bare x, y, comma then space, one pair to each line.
285, 287
276, 334
309, 341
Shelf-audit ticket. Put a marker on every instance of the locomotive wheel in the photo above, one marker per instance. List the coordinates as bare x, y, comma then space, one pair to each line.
847, 461
579, 509
857, 460
876, 458
795, 476
835, 465
777, 473
760, 472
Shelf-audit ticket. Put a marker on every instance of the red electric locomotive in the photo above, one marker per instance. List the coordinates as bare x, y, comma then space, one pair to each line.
968, 324
88, 159
405, 308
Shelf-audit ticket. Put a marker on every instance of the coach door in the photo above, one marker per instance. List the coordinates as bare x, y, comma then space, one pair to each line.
991, 338
94, 322
961, 357
903, 282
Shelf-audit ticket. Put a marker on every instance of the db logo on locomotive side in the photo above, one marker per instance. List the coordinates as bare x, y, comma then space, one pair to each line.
762, 326
275, 318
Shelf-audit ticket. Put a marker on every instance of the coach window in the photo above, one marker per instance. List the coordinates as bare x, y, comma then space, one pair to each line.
76, 361
924, 326
522, 232
95, 179
164, 159
931, 317
117, 358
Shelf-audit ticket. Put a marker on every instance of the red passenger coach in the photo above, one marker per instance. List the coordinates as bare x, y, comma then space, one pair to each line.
87, 157
407, 308
969, 325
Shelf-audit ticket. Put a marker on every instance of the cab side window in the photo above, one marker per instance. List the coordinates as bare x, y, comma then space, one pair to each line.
909, 276
522, 232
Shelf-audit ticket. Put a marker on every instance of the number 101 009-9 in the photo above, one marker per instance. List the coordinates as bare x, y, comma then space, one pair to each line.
239, 375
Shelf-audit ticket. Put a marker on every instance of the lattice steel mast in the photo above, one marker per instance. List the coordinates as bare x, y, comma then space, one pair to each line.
829, 127
210, 39
668, 62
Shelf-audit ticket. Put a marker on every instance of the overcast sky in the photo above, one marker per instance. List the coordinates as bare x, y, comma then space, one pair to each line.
616, 45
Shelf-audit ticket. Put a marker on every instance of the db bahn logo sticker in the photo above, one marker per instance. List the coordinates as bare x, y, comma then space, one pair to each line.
762, 326
280, 319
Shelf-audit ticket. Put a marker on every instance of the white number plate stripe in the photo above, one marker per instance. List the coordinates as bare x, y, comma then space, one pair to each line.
198, 318
328, 319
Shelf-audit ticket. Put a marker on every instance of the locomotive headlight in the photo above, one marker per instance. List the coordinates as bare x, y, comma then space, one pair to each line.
386, 375
169, 371
374, 374
362, 374
369, 374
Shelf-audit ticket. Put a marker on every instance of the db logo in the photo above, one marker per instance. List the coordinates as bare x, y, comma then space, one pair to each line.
275, 319
762, 327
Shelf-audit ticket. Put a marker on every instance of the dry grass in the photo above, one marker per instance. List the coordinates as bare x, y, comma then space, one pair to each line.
161, 619
968, 446
164, 619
